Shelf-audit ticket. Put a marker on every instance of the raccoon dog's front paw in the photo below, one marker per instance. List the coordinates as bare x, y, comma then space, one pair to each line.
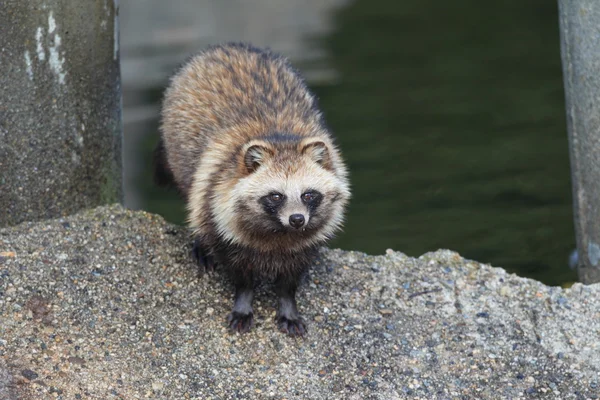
239, 322
293, 327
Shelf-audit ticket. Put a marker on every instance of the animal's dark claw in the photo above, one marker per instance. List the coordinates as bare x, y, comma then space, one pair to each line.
239, 322
204, 260
293, 327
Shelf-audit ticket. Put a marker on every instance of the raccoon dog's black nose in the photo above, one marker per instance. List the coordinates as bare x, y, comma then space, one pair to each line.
296, 220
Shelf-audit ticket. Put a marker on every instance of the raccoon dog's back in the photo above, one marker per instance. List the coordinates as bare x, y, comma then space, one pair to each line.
230, 94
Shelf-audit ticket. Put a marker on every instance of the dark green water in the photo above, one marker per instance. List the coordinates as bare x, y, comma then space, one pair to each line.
451, 117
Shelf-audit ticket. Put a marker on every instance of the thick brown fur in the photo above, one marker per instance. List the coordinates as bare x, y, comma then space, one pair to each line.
238, 121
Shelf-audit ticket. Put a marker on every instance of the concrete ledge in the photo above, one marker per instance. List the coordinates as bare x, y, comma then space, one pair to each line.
107, 304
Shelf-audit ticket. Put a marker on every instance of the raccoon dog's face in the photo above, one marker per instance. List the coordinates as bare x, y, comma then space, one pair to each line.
291, 196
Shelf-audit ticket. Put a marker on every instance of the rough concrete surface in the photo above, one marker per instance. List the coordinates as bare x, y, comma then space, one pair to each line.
60, 114
107, 304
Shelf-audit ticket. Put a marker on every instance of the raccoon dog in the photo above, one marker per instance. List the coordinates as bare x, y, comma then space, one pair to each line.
243, 141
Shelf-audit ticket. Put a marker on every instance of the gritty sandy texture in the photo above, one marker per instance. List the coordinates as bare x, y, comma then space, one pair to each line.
107, 305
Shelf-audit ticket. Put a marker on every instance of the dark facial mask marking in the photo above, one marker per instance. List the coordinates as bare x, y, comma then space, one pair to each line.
269, 204
314, 202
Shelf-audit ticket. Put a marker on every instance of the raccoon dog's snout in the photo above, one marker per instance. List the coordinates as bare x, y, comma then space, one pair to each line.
297, 220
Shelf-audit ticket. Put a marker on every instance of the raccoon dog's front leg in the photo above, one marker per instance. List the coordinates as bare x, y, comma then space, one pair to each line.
241, 317
289, 319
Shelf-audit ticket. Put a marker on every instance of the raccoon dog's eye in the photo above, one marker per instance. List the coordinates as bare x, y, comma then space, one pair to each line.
276, 197
308, 197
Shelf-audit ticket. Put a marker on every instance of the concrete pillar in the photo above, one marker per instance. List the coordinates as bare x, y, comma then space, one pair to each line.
580, 47
60, 107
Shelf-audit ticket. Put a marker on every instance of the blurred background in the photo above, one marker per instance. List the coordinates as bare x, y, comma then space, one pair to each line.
450, 115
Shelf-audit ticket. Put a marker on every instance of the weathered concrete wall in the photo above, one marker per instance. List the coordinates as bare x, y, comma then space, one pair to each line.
580, 46
60, 118
108, 304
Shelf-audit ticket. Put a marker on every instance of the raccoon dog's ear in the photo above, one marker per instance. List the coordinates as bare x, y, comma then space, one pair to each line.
318, 151
255, 155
